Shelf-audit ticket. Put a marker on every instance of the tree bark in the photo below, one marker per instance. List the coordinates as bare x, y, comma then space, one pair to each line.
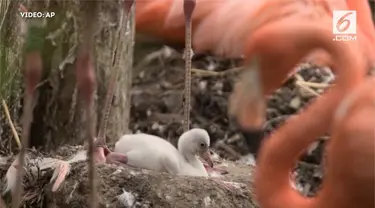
10, 86
58, 111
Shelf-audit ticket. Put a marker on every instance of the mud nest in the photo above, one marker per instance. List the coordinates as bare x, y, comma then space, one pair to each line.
126, 187
157, 100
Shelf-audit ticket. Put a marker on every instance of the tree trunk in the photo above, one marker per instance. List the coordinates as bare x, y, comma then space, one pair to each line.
10, 86
58, 111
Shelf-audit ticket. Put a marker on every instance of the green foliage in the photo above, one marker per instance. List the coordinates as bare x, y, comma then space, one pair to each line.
35, 39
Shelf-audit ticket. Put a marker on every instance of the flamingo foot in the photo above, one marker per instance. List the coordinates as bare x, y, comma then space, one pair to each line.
116, 158
11, 176
100, 155
104, 155
59, 174
220, 171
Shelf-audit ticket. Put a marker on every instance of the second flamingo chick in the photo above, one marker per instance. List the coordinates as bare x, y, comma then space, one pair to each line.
154, 153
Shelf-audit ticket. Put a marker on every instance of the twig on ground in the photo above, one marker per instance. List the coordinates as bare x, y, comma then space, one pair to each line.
206, 73
314, 85
164, 52
303, 84
276, 119
7, 114
221, 145
233, 139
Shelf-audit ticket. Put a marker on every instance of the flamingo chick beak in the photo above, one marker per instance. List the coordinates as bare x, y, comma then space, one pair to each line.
207, 157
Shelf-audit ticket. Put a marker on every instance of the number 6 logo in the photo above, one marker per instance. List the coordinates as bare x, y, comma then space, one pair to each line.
344, 22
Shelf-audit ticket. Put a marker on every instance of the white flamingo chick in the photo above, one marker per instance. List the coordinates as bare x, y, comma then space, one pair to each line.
154, 153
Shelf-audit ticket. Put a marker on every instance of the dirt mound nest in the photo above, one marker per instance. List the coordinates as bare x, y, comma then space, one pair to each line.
157, 98
130, 187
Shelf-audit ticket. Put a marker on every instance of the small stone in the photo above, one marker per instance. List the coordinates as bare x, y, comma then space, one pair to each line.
295, 103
